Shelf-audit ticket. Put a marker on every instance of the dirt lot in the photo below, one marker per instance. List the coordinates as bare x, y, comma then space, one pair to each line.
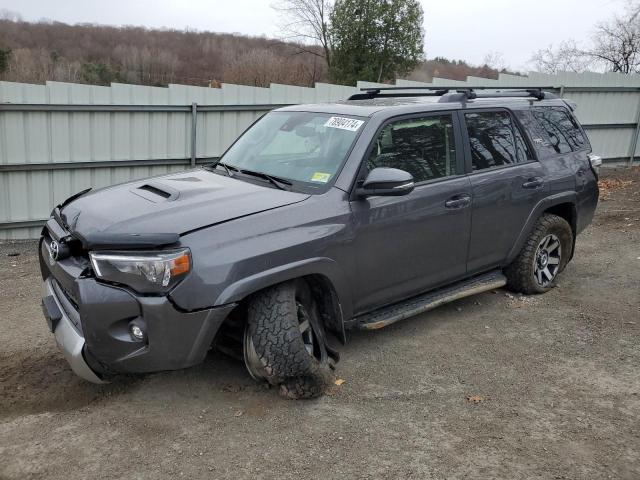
494, 386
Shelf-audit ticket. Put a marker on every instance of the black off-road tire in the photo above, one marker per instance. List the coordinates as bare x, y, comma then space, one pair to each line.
274, 328
520, 273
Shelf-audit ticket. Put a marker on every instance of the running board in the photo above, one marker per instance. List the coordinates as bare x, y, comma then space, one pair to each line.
428, 301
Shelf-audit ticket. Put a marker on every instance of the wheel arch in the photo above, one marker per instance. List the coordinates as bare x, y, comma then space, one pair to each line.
562, 205
323, 275
567, 211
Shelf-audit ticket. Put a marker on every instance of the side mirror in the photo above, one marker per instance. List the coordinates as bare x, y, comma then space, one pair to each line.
386, 182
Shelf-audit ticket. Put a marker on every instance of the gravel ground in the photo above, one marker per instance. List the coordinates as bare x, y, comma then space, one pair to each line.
493, 386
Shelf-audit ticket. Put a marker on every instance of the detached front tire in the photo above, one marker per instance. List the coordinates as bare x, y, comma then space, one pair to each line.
285, 342
544, 255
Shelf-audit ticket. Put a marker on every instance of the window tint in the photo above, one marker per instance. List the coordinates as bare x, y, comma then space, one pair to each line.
563, 133
424, 147
524, 154
535, 132
495, 140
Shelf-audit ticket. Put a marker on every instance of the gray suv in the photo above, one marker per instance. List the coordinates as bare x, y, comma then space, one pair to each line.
319, 219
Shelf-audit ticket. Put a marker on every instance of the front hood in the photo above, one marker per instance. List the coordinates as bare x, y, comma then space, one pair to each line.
177, 203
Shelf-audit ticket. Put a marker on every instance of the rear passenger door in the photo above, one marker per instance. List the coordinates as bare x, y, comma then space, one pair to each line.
506, 182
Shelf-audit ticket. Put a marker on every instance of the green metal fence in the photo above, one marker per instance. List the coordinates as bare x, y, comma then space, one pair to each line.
58, 138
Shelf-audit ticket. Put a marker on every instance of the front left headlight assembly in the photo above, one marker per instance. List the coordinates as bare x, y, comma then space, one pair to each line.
145, 272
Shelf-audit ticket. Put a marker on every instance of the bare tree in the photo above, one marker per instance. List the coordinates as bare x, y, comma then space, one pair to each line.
566, 57
307, 22
495, 61
261, 67
616, 44
633, 9
615, 47
10, 15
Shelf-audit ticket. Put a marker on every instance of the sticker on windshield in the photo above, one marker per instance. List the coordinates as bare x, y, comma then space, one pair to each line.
320, 177
350, 124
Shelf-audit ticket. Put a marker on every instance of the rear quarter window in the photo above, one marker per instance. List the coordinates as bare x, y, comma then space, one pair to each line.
535, 132
559, 131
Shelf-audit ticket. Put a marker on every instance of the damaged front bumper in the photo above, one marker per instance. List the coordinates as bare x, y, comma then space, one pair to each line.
69, 340
92, 323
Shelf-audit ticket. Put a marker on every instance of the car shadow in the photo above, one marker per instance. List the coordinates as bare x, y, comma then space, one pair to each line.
42, 381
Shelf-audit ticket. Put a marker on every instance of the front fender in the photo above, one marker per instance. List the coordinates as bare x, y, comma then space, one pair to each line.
311, 266
543, 205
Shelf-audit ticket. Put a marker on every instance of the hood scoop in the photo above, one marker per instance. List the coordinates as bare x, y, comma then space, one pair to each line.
156, 192
161, 205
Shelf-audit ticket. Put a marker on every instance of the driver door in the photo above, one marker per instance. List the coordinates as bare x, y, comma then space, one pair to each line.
406, 245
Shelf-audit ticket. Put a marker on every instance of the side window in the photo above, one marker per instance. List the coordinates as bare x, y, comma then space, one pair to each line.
562, 131
424, 147
495, 140
536, 133
524, 154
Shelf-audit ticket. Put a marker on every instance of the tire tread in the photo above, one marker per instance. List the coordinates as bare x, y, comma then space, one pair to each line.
520, 272
273, 326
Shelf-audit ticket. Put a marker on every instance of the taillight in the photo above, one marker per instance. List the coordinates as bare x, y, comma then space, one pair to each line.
596, 163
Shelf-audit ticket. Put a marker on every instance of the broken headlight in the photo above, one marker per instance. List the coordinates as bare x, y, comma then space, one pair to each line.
145, 272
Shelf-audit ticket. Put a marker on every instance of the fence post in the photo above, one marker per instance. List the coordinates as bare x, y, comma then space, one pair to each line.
636, 134
194, 125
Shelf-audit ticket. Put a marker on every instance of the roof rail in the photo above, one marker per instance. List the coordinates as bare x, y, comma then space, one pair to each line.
462, 92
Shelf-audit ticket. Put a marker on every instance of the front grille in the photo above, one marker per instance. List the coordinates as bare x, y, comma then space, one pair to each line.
70, 298
68, 304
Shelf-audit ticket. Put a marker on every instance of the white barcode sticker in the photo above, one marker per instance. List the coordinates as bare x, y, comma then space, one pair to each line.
344, 123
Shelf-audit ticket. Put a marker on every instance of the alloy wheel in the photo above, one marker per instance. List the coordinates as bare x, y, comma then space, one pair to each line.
547, 260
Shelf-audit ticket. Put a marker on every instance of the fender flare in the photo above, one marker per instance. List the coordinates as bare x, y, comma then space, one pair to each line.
536, 213
324, 266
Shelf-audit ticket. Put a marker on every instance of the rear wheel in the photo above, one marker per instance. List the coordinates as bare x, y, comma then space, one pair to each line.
284, 341
544, 255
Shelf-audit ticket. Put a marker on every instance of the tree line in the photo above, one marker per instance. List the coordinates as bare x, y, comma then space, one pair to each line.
322, 41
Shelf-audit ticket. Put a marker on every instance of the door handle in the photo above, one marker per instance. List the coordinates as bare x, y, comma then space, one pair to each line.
533, 182
458, 201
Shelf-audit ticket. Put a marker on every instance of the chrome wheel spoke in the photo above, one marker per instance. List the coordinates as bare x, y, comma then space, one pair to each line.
306, 330
547, 260
553, 246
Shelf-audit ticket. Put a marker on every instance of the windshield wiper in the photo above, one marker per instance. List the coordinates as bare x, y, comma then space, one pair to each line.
276, 181
226, 167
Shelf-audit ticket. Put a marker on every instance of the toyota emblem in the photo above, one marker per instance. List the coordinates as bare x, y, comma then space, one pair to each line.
54, 251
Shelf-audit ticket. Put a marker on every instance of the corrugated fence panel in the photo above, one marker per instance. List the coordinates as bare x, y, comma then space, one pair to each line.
134, 131
611, 143
604, 107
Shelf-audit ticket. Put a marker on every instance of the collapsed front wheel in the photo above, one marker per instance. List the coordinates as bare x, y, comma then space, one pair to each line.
285, 342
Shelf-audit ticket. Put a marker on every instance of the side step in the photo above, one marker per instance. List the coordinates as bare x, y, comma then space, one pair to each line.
427, 301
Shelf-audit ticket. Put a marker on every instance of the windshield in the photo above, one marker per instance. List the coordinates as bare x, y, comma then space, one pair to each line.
298, 146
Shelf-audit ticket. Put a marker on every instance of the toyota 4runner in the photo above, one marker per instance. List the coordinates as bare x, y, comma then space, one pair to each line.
318, 219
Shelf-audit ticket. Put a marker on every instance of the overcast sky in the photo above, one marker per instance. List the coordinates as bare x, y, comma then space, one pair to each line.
460, 29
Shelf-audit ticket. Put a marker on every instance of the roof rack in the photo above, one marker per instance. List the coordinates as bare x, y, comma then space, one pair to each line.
456, 93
